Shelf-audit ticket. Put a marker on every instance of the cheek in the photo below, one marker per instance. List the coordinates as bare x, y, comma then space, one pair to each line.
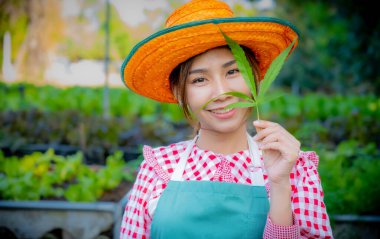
190, 95
196, 97
241, 86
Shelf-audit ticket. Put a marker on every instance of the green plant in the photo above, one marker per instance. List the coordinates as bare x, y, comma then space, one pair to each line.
258, 95
47, 175
123, 102
53, 116
349, 175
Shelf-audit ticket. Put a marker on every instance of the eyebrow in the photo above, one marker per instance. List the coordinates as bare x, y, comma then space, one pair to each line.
225, 65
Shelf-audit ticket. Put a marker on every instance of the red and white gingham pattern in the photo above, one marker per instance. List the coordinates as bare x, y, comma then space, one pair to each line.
309, 211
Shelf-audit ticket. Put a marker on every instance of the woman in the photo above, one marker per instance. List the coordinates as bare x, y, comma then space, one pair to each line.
223, 183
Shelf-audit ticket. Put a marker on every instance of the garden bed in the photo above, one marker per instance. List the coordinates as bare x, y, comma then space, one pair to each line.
45, 195
90, 156
348, 226
37, 219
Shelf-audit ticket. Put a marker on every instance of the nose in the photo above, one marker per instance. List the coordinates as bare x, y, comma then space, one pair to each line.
221, 87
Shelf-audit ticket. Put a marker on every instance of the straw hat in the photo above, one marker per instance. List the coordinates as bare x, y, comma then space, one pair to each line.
192, 29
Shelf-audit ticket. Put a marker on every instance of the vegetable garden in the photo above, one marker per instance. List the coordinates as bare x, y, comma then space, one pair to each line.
55, 142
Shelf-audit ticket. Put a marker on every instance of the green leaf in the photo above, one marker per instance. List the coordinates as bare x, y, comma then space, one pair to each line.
240, 105
234, 93
209, 101
246, 71
239, 95
271, 97
242, 63
274, 69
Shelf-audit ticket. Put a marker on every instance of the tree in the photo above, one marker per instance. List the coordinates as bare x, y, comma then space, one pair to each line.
36, 26
339, 45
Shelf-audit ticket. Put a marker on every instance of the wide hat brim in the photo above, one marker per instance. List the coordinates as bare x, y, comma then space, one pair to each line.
147, 68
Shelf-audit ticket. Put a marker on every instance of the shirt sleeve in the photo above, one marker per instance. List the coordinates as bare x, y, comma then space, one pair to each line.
310, 218
136, 219
273, 231
308, 199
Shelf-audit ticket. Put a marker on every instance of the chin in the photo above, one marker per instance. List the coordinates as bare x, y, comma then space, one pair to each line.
227, 128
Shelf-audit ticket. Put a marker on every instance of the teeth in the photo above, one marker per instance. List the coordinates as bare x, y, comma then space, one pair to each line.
221, 111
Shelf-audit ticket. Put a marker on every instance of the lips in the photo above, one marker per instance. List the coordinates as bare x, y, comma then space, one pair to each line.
220, 111
222, 114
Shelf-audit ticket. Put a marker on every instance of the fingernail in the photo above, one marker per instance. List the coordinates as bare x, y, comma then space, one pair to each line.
256, 122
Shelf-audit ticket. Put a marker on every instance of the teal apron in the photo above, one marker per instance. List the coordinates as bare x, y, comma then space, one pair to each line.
207, 209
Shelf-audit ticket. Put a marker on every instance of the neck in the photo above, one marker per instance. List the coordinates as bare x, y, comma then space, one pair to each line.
223, 143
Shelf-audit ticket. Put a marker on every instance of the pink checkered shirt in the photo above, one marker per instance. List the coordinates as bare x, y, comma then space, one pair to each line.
309, 211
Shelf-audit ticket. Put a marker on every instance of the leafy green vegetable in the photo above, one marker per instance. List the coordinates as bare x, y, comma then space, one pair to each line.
46, 175
258, 95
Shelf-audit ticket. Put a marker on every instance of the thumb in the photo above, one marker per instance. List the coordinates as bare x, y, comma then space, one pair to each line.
257, 126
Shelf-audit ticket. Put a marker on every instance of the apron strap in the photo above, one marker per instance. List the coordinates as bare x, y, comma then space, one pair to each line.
178, 172
257, 175
254, 152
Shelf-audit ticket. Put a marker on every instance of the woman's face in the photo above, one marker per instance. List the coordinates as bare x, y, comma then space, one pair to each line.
211, 74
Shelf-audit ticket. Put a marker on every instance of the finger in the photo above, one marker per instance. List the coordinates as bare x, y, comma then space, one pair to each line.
291, 154
272, 146
263, 123
267, 131
272, 128
276, 136
289, 138
284, 145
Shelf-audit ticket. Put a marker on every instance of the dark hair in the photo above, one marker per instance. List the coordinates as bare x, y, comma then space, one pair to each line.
178, 76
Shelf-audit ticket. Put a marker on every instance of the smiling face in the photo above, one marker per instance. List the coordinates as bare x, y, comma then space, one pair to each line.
211, 74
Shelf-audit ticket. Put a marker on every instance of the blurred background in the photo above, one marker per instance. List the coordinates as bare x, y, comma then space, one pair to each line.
65, 111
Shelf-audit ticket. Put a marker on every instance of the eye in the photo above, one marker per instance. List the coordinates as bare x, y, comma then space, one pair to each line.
199, 80
233, 71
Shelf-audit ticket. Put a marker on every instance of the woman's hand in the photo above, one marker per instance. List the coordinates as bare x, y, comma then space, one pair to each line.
280, 150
